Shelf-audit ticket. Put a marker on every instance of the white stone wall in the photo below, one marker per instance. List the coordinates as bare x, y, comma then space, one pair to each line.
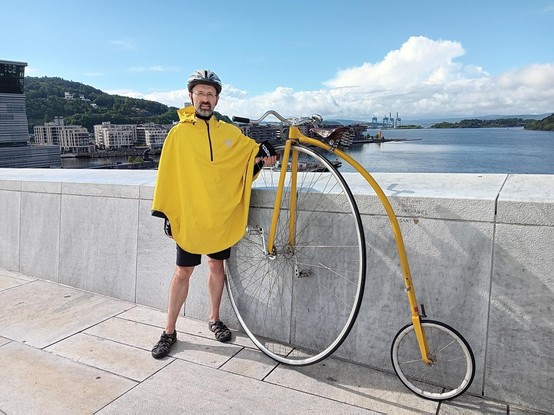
480, 247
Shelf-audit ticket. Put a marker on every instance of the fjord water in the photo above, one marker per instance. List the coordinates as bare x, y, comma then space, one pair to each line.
430, 150
458, 150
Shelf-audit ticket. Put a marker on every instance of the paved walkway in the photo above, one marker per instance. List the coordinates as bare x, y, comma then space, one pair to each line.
68, 351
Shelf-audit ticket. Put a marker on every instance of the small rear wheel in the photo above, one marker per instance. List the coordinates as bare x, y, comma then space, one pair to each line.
453, 367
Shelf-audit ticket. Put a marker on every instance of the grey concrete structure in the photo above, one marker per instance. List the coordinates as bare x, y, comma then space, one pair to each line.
480, 248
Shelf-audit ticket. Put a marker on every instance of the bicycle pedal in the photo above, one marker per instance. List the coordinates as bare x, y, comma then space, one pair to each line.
254, 230
302, 273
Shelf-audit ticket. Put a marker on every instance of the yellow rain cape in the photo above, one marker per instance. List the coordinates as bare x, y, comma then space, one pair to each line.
204, 183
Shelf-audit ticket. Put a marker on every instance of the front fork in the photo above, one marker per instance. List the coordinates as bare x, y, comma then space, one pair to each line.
279, 198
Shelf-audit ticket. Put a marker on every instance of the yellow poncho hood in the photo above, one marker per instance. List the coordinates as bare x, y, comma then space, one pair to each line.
204, 182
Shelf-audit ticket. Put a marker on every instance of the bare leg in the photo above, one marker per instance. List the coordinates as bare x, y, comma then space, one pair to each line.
216, 283
178, 291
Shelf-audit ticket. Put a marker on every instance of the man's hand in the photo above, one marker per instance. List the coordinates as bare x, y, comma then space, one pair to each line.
266, 153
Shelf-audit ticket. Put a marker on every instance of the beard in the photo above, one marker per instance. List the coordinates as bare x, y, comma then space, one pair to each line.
204, 113
204, 109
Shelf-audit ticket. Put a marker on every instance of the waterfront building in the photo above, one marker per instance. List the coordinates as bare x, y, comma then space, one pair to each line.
262, 132
115, 136
274, 132
15, 149
151, 135
71, 138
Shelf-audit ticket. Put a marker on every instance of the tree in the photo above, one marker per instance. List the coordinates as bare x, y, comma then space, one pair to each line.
45, 100
546, 124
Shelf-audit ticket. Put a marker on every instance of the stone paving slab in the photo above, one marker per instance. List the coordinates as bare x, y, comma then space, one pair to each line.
104, 364
15, 274
522, 411
150, 316
200, 328
33, 381
195, 342
52, 313
120, 359
12, 279
208, 352
127, 332
354, 385
153, 317
472, 405
251, 363
203, 390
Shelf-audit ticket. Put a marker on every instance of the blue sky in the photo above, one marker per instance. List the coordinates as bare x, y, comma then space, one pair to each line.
341, 59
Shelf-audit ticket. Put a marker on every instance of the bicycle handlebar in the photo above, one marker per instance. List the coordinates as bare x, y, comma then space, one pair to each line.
268, 113
241, 120
287, 121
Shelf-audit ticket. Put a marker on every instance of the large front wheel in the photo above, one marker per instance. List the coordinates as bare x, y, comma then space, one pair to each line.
298, 302
453, 365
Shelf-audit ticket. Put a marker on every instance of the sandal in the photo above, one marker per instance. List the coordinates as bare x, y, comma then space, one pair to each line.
163, 347
222, 332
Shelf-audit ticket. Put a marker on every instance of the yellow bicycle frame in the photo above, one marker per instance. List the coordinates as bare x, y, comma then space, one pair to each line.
295, 136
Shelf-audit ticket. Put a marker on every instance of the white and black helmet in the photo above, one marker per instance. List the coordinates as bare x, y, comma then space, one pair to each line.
205, 77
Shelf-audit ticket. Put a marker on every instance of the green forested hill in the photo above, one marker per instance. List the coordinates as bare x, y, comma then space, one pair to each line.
477, 123
544, 124
45, 99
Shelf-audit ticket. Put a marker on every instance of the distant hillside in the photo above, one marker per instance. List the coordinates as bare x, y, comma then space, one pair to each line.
45, 99
531, 124
546, 124
479, 123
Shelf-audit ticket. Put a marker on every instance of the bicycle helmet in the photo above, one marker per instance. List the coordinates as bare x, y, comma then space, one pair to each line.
206, 77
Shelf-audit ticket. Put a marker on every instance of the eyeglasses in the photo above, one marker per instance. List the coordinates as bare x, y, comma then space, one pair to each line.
209, 95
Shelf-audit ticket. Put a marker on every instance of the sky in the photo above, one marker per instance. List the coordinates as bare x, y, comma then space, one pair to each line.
347, 59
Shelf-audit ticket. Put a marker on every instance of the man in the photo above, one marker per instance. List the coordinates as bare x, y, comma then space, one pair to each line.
203, 191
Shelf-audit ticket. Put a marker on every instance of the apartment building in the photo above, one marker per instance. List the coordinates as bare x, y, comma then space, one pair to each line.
115, 136
151, 135
70, 138
262, 132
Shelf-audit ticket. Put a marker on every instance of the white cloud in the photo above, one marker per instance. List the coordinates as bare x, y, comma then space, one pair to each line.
419, 61
424, 78
125, 93
176, 98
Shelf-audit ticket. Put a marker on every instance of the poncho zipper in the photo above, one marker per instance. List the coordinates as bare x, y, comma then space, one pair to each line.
210, 142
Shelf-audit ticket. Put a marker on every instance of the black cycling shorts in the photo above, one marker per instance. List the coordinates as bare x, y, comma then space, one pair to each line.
186, 259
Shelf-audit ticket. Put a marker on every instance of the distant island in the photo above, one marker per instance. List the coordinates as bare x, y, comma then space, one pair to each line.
409, 127
546, 124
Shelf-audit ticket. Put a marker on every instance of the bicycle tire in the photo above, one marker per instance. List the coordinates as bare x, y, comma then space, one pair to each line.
299, 306
453, 369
